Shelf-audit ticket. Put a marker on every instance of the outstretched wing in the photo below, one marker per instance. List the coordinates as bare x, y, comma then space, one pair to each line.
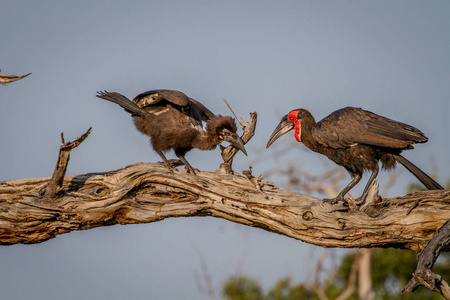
351, 125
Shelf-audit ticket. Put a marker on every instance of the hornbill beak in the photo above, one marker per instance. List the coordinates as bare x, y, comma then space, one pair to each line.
236, 141
282, 128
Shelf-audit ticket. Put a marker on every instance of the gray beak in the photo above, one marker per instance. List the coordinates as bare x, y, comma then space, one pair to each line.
236, 141
282, 128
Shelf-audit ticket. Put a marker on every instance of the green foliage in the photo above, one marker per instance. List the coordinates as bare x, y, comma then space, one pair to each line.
242, 288
283, 290
391, 270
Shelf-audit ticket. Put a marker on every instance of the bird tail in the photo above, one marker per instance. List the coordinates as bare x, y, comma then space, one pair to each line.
124, 102
424, 178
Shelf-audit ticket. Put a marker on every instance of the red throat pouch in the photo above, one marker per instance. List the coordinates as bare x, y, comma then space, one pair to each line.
298, 130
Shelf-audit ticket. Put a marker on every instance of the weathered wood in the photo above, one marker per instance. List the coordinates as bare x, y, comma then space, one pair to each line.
147, 192
229, 152
423, 276
57, 179
5, 79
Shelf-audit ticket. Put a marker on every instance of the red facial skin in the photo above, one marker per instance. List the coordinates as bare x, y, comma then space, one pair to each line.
293, 117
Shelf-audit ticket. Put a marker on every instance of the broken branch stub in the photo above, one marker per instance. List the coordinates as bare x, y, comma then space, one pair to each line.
5, 79
57, 179
229, 152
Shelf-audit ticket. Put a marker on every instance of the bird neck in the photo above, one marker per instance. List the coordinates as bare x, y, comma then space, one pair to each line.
210, 138
206, 141
307, 137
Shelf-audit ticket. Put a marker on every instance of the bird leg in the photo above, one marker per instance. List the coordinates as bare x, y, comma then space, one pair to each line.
366, 189
166, 162
188, 167
340, 197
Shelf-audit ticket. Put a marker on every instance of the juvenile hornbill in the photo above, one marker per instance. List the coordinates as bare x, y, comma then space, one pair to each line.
174, 121
357, 140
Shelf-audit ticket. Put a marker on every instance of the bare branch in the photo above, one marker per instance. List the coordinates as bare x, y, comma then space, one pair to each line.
61, 166
146, 192
5, 79
423, 276
238, 119
229, 152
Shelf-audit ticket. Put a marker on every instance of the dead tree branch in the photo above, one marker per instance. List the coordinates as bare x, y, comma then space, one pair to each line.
423, 276
57, 179
229, 152
5, 79
147, 192
36, 210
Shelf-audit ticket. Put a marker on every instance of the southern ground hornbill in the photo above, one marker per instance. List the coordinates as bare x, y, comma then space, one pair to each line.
357, 140
174, 121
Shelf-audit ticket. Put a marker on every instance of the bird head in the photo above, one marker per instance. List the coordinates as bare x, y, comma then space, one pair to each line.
290, 121
224, 129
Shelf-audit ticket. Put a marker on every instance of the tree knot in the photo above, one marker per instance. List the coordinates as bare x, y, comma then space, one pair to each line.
307, 215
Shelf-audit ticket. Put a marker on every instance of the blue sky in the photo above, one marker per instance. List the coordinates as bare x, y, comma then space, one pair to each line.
389, 57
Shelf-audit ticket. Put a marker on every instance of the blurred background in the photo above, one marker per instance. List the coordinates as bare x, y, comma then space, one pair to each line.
389, 57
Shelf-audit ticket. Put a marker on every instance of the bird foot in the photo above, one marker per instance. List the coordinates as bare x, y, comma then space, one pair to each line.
332, 200
360, 200
171, 164
170, 168
335, 200
191, 170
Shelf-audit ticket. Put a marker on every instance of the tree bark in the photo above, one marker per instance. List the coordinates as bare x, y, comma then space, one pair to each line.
147, 192
61, 166
423, 276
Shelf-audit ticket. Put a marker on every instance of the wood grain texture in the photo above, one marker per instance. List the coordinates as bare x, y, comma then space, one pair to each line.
147, 192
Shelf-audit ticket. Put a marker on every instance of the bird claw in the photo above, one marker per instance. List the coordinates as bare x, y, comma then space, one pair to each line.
336, 199
172, 164
170, 168
360, 200
332, 200
191, 170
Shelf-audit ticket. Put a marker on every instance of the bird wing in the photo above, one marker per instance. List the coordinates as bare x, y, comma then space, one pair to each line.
157, 102
154, 97
206, 114
349, 126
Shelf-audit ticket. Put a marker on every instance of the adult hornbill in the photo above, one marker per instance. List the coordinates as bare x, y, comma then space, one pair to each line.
357, 140
174, 121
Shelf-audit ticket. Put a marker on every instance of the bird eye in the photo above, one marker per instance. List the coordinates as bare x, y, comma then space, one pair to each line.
291, 118
224, 133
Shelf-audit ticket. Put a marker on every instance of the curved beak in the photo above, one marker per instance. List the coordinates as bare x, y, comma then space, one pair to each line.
282, 128
236, 141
